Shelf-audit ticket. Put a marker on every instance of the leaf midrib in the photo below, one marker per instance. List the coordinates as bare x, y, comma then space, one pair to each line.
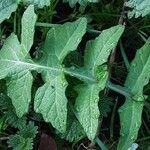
37, 66
30, 64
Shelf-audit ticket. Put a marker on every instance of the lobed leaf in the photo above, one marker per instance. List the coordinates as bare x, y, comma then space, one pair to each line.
96, 54
18, 90
17, 142
50, 99
23, 140
16, 67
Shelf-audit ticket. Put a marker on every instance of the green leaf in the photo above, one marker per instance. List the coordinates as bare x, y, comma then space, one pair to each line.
65, 38
28, 23
3, 124
130, 118
138, 77
39, 3
13, 65
105, 105
98, 50
81, 73
23, 140
74, 131
18, 142
22, 84
28, 131
139, 72
10, 56
10, 59
140, 8
13, 120
13, 60
5, 102
87, 107
8, 112
96, 54
50, 99
6, 8
17, 66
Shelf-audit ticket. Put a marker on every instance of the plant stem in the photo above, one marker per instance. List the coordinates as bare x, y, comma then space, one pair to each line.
127, 64
119, 89
143, 139
101, 144
15, 23
112, 120
47, 25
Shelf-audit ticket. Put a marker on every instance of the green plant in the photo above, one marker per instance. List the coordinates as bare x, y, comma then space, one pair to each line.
17, 64
24, 137
60, 73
